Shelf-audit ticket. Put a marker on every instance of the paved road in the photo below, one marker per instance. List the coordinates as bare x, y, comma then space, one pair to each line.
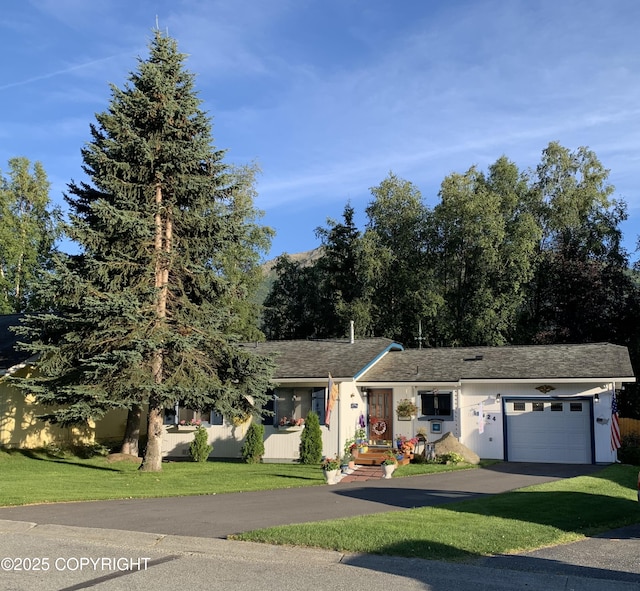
110, 560
609, 562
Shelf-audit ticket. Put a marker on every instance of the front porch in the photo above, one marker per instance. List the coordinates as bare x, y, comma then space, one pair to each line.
375, 454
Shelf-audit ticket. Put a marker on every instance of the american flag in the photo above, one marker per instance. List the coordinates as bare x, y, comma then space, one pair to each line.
332, 396
615, 425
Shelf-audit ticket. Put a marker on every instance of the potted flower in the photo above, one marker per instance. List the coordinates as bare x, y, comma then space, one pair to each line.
348, 464
406, 446
331, 469
389, 463
290, 423
361, 440
189, 424
406, 409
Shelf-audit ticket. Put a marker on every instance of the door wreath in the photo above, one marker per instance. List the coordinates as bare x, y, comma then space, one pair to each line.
379, 427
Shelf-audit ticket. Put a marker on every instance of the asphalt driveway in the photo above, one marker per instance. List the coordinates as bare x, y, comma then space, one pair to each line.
217, 516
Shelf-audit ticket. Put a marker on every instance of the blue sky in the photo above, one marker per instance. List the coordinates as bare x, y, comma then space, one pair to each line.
329, 96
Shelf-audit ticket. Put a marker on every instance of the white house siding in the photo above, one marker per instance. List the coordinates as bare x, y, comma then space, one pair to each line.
602, 426
488, 445
345, 422
226, 439
407, 428
281, 445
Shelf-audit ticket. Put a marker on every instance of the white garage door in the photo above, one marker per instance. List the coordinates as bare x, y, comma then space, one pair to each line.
553, 431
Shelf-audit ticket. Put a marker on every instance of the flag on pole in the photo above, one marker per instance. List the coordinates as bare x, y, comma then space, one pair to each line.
332, 396
615, 424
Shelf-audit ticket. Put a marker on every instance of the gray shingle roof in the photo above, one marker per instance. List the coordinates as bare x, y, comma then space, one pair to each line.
596, 360
316, 359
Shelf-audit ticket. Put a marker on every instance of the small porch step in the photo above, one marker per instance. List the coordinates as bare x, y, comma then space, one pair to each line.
375, 455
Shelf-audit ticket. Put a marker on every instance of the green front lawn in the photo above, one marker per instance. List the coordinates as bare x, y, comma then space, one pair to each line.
542, 515
39, 477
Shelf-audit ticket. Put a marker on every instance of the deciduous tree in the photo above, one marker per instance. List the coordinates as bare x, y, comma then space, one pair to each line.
29, 228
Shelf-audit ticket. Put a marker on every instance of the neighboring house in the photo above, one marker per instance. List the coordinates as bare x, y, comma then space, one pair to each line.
19, 425
546, 403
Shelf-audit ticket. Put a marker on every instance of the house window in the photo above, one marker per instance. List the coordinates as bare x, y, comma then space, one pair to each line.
538, 406
436, 405
181, 415
270, 407
519, 406
556, 407
292, 404
215, 418
575, 406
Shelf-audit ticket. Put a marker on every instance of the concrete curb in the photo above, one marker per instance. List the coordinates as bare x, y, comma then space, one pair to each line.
434, 574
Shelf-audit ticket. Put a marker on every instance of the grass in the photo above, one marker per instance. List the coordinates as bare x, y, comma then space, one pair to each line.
38, 477
532, 517
30, 477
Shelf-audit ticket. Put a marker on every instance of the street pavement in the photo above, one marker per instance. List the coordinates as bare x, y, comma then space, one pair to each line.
182, 540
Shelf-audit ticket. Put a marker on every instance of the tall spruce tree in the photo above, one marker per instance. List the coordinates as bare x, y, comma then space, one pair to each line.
341, 276
144, 314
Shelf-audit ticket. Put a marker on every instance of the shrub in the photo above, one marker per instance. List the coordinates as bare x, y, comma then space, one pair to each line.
311, 440
83, 451
450, 458
253, 446
200, 449
629, 452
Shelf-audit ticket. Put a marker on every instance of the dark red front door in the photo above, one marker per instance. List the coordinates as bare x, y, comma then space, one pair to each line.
380, 416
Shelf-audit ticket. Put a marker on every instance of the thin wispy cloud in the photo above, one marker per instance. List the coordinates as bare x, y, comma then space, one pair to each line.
330, 96
61, 72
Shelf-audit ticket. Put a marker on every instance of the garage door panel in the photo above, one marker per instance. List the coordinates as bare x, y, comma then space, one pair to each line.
561, 435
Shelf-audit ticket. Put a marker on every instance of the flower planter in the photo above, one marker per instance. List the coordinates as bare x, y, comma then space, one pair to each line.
387, 470
331, 476
187, 427
290, 428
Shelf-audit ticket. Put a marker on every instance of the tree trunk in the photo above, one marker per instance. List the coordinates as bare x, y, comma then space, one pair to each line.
132, 431
162, 245
153, 455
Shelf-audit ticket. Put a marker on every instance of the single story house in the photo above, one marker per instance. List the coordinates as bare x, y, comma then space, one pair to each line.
542, 403
539, 403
